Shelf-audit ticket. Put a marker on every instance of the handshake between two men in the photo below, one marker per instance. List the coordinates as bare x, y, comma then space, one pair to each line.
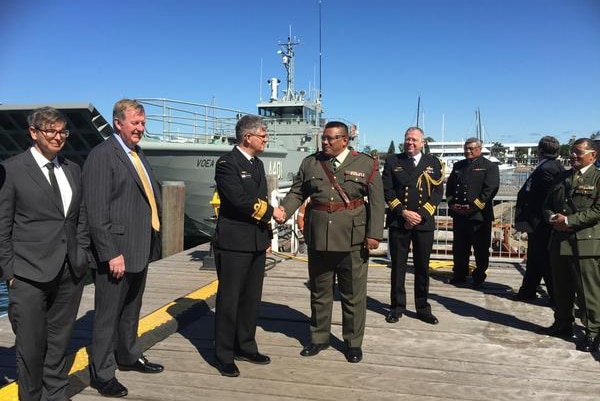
279, 214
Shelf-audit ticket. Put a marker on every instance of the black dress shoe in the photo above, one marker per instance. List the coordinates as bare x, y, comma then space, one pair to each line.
477, 284
457, 280
393, 316
354, 354
111, 388
427, 318
523, 297
227, 369
142, 365
588, 344
257, 358
313, 349
560, 330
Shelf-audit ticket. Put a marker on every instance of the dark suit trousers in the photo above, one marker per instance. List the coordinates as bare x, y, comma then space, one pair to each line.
422, 242
241, 276
351, 269
538, 263
467, 234
117, 313
42, 316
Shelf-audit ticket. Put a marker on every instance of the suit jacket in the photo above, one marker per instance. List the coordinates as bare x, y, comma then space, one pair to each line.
343, 230
245, 213
119, 214
416, 188
579, 200
35, 235
531, 196
474, 184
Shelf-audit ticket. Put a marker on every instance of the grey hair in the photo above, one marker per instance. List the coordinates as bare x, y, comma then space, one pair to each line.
248, 124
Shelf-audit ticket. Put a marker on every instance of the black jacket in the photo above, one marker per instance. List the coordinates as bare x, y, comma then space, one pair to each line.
474, 184
245, 213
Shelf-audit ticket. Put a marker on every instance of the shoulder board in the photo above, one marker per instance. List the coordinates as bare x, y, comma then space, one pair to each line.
356, 153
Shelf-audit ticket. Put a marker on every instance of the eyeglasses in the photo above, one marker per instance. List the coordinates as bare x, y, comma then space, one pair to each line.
325, 138
263, 138
51, 133
579, 152
471, 148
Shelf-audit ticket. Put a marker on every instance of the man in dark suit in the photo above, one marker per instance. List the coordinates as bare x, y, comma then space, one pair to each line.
572, 208
241, 239
412, 183
470, 192
529, 218
44, 254
340, 228
123, 200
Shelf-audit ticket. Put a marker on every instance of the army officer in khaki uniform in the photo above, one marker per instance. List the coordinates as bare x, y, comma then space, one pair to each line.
343, 220
573, 210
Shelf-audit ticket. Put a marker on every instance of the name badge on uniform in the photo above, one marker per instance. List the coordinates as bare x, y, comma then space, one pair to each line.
398, 168
245, 174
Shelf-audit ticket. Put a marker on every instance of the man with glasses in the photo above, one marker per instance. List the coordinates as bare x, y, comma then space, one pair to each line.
123, 202
44, 254
470, 191
572, 208
412, 183
240, 242
343, 220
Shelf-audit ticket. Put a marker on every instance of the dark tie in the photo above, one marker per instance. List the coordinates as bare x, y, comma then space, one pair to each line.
334, 164
54, 185
413, 161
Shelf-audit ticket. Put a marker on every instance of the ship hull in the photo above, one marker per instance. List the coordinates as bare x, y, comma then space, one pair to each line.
194, 165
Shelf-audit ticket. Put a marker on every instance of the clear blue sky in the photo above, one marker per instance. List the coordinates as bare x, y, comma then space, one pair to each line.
531, 66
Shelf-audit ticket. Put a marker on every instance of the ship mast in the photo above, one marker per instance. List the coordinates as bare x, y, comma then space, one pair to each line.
287, 58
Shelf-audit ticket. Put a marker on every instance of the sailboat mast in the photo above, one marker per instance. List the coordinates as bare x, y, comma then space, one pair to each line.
418, 110
479, 131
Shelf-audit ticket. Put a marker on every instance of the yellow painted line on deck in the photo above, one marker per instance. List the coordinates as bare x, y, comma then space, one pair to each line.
148, 323
433, 264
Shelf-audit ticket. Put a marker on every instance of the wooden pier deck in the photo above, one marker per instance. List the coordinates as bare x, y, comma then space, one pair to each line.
485, 347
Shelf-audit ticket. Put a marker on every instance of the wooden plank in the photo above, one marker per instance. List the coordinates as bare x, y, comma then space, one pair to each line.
485, 347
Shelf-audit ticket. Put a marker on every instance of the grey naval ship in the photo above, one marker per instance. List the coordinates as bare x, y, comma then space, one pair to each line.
185, 139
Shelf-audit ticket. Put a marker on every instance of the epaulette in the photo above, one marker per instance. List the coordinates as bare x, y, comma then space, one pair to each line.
356, 153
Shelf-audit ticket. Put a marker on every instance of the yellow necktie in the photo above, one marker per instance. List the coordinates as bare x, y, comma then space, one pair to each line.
148, 189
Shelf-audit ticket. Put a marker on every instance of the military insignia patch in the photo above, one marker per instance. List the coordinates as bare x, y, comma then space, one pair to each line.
355, 173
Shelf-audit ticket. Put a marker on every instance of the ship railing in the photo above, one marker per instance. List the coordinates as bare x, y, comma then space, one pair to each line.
175, 120
506, 244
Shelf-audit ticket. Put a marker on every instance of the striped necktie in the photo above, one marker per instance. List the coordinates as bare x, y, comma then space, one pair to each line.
147, 189
334, 163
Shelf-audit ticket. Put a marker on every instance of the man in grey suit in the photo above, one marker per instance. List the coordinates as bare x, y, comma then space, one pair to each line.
123, 200
44, 254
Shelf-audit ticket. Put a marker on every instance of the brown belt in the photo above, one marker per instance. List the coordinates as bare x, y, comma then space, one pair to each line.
336, 206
